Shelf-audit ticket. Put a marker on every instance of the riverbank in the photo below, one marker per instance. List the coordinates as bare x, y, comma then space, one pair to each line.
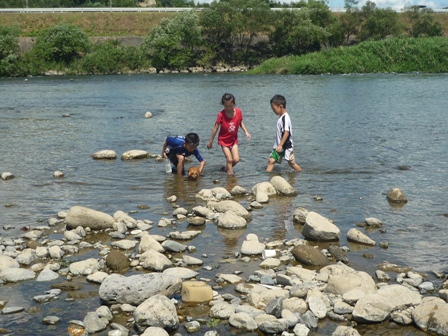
396, 55
96, 262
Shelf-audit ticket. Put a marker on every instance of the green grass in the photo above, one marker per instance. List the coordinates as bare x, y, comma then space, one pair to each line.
398, 55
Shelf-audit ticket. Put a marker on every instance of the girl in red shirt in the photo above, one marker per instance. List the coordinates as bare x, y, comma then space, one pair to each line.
229, 120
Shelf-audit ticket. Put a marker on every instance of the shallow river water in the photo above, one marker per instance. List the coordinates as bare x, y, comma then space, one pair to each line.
355, 136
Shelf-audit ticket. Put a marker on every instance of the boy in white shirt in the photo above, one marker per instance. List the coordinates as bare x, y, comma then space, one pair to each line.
283, 145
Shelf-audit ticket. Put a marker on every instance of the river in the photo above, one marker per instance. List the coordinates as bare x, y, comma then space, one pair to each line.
355, 136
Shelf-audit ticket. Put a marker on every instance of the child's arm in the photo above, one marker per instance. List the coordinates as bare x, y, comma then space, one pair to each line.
212, 137
282, 141
243, 127
201, 166
164, 149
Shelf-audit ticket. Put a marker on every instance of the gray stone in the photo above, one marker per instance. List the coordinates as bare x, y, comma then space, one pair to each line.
85, 217
135, 289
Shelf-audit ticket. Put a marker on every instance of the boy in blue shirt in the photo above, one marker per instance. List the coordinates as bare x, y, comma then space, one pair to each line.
176, 149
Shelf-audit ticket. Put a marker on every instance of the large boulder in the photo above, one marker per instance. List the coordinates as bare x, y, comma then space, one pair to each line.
85, 217
432, 315
282, 186
319, 228
378, 306
135, 289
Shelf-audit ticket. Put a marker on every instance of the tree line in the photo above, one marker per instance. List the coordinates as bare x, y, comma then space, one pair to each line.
231, 32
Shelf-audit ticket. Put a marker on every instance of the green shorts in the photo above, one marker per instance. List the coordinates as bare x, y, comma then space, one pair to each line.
277, 156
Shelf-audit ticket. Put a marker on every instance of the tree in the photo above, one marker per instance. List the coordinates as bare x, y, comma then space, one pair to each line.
175, 43
423, 23
379, 23
9, 51
62, 43
232, 27
294, 33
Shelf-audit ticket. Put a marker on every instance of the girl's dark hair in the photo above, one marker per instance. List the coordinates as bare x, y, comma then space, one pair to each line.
279, 100
227, 97
192, 139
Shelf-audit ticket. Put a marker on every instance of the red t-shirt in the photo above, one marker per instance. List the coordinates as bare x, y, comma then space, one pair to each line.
228, 132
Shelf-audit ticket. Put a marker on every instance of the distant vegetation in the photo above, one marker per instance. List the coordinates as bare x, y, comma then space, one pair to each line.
398, 55
236, 32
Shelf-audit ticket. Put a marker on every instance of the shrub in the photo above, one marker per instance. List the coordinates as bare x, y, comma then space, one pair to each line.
62, 43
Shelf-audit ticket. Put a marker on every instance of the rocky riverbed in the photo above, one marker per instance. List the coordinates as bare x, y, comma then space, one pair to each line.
113, 276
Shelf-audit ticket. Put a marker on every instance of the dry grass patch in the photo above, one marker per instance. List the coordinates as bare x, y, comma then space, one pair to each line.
93, 24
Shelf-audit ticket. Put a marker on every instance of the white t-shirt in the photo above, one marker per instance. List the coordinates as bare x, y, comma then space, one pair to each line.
283, 124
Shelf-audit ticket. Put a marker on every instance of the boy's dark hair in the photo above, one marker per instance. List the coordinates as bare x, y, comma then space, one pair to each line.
192, 139
227, 97
279, 100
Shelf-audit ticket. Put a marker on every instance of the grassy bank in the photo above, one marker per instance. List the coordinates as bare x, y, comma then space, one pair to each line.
394, 55
114, 24
93, 24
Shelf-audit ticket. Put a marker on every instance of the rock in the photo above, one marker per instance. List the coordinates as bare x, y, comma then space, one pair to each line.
26, 257
308, 255
262, 191
222, 310
124, 244
8, 262
229, 205
259, 296
155, 261
94, 323
181, 272
51, 320
251, 245
341, 284
319, 228
148, 115
157, 311
192, 261
196, 292
58, 174
7, 176
47, 275
173, 246
137, 288
273, 327
230, 220
134, 154
88, 218
432, 315
97, 277
84, 267
117, 261
12, 310
299, 216
148, 242
16, 274
154, 331
396, 196
238, 191
373, 222
345, 331
376, 307
106, 154
243, 321
357, 236
282, 186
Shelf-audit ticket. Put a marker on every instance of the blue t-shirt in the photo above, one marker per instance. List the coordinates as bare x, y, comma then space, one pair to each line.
176, 145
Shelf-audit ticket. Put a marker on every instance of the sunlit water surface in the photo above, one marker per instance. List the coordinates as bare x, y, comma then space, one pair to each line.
351, 135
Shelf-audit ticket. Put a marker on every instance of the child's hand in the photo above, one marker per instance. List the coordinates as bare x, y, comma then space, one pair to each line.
279, 149
210, 144
248, 135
